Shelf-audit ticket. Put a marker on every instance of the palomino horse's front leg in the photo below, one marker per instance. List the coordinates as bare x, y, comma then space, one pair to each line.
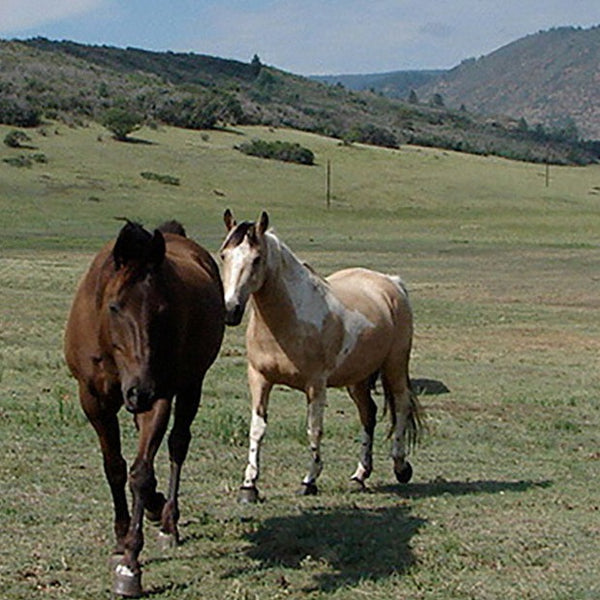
260, 389
316, 396
152, 426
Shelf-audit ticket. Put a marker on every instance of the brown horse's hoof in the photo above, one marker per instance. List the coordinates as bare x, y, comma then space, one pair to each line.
308, 489
114, 560
247, 495
405, 473
154, 513
357, 486
167, 541
126, 582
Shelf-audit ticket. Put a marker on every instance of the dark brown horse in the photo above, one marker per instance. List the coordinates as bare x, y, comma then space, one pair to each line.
146, 323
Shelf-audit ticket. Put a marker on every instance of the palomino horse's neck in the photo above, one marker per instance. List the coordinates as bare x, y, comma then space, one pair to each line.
289, 289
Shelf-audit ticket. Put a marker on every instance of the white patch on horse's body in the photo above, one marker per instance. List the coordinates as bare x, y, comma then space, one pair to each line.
314, 301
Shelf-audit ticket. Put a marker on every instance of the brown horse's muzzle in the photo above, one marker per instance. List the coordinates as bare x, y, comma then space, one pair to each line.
139, 397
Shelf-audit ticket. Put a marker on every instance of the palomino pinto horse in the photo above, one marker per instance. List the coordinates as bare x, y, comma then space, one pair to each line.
311, 333
146, 323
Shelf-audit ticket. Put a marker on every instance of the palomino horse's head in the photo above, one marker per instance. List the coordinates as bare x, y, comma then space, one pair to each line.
135, 315
243, 255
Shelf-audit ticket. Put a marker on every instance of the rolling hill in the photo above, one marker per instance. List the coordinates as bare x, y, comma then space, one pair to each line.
551, 77
43, 79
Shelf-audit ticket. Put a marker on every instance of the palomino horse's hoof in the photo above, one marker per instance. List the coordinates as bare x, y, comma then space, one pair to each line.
126, 582
166, 541
308, 489
357, 486
405, 473
248, 495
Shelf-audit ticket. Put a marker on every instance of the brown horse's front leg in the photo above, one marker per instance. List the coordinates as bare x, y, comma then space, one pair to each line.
152, 426
186, 407
103, 417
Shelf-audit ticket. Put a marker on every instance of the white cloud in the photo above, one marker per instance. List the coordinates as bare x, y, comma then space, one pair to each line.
18, 15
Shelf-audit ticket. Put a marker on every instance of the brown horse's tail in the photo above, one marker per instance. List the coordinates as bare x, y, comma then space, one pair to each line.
415, 419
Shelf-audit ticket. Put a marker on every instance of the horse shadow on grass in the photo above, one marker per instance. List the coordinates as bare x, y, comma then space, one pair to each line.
356, 543
442, 487
351, 543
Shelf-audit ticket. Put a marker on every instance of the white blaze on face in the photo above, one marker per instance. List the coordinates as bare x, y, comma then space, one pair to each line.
237, 267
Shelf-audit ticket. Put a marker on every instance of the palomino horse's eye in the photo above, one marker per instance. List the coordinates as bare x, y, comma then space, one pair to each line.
256, 261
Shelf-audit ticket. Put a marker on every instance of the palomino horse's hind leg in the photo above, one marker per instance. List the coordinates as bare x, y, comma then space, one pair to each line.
367, 410
399, 395
259, 390
316, 396
152, 425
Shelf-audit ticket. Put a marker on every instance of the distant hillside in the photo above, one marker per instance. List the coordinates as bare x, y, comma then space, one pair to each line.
551, 77
42, 79
397, 84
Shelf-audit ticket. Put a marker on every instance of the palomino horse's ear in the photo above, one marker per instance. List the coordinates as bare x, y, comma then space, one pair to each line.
228, 219
263, 224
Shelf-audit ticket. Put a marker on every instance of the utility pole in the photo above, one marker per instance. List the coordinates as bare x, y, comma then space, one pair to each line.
328, 198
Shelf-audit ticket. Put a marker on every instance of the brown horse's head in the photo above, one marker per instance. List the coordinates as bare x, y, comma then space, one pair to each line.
135, 316
243, 256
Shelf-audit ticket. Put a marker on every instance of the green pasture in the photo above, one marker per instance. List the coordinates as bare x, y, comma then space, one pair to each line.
504, 275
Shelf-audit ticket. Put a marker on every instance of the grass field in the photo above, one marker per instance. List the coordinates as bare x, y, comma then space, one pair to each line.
505, 282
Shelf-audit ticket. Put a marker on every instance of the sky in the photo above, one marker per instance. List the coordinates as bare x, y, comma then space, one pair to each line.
307, 37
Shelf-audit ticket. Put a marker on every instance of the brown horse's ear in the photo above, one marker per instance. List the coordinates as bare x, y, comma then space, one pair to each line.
136, 245
263, 224
157, 249
228, 219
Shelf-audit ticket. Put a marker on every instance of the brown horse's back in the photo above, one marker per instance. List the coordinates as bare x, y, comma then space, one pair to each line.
198, 294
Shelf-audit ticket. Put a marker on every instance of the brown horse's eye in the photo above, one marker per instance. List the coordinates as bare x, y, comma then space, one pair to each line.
114, 308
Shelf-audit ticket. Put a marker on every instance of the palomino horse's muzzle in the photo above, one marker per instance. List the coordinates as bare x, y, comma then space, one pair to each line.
233, 316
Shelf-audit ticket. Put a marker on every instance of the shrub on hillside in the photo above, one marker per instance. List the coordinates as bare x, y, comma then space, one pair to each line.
18, 113
285, 151
371, 134
200, 111
166, 179
121, 122
16, 139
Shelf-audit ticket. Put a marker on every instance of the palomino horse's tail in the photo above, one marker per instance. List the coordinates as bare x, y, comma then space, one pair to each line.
415, 419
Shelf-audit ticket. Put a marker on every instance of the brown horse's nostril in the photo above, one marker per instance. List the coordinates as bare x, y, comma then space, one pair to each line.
138, 399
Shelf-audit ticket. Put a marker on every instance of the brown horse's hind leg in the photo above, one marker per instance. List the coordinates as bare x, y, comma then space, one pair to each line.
367, 411
105, 423
152, 425
186, 407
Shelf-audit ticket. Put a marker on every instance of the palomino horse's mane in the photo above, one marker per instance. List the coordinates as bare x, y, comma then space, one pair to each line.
285, 250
